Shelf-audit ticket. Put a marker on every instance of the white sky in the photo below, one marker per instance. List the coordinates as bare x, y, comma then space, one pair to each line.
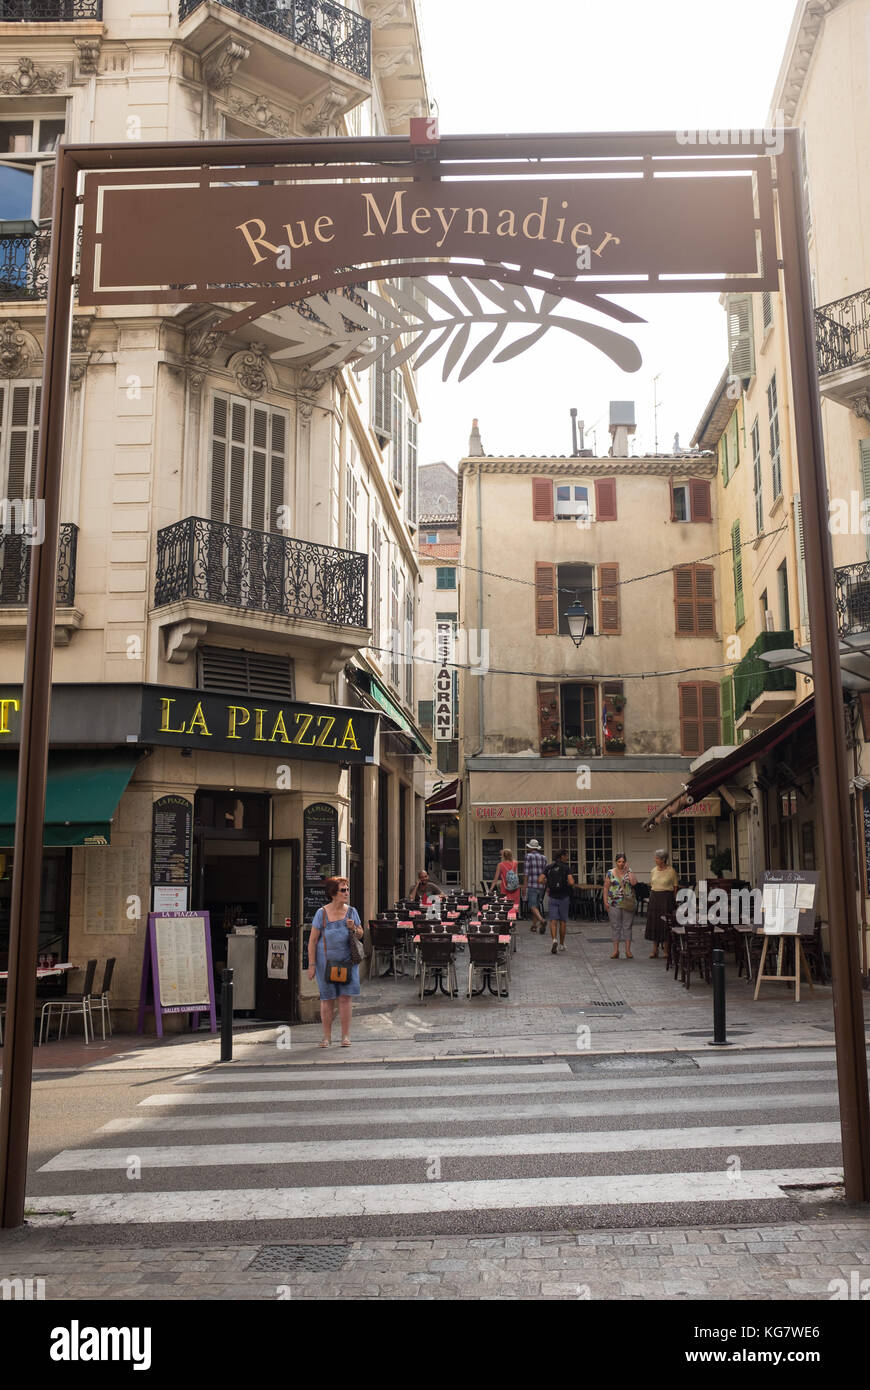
588, 65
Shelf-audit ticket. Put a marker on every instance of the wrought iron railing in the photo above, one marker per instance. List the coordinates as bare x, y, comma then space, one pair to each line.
852, 593
24, 265
843, 332
46, 11
15, 564
239, 568
322, 26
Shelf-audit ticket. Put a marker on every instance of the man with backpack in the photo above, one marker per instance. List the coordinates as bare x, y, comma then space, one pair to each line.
559, 883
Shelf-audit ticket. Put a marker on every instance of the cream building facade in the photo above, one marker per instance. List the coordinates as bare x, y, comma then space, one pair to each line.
238, 564
569, 745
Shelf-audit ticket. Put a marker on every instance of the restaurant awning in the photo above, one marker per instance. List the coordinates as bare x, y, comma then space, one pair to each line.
384, 701
708, 778
82, 795
446, 801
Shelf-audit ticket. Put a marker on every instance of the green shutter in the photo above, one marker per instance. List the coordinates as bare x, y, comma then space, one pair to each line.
723, 455
737, 564
864, 445
728, 711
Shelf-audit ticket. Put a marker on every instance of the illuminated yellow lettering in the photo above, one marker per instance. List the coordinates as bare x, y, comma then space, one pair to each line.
164, 718
279, 724
309, 743
197, 723
258, 240
321, 738
349, 740
258, 726
233, 711
5, 707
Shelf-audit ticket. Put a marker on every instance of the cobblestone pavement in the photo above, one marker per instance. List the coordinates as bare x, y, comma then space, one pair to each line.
784, 1262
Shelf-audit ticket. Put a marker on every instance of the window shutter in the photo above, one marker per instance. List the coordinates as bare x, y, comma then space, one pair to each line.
864, 445
545, 599
690, 732
728, 710
723, 458
709, 691
737, 564
684, 601
218, 457
549, 724
382, 397
699, 499
741, 342
705, 604
605, 499
238, 425
802, 564
608, 600
673, 507
259, 453
542, 499
23, 441
766, 309
411, 499
276, 471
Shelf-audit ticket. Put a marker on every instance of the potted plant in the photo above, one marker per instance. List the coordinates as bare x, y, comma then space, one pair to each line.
616, 702
614, 745
550, 746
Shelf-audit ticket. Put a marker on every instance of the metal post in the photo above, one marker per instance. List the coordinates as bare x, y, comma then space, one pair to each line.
719, 1038
35, 709
226, 1015
829, 716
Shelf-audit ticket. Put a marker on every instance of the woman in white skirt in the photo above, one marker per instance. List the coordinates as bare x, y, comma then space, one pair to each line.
621, 905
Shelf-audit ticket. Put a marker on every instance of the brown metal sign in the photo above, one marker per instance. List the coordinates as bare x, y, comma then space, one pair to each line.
181, 237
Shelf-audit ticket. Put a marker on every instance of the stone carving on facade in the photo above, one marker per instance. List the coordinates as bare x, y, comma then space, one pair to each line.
318, 114
312, 381
79, 356
223, 64
389, 14
249, 369
29, 80
259, 111
89, 56
400, 112
389, 60
861, 407
180, 639
201, 344
15, 350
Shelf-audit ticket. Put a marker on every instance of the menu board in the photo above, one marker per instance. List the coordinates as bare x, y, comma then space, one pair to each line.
866, 800
113, 874
177, 970
789, 901
319, 854
491, 858
172, 819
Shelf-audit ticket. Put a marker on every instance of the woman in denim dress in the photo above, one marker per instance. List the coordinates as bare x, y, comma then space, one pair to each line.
332, 928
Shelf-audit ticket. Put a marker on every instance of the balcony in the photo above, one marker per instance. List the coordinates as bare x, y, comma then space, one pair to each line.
329, 31
852, 595
843, 348
762, 693
15, 582
49, 11
24, 265
213, 577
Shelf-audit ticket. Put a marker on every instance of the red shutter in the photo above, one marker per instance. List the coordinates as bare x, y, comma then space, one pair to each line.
542, 499
684, 600
549, 723
608, 600
546, 621
690, 731
699, 500
709, 714
605, 499
705, 606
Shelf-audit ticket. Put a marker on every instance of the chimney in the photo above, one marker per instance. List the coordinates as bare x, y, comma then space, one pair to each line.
622, 424
475, 446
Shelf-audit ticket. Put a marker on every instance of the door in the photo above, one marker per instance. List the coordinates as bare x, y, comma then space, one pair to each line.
278, 997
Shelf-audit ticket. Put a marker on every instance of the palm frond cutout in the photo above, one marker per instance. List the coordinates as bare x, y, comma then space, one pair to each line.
398, 325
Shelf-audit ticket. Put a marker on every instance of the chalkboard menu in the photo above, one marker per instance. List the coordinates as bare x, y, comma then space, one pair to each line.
866, 800
789, 901
319, 854
172, 819
491, 858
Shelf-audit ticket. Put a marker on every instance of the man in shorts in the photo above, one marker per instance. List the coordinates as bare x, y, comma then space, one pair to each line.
559, 884
534, 868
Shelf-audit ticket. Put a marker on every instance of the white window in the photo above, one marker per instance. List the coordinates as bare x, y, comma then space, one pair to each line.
248, 456
397, 448
376, 583
571, 500
351, 503
27, 157
681, 502
395, 634
19, 434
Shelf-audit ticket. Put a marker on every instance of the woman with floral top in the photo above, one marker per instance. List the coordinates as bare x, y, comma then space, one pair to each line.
621, 904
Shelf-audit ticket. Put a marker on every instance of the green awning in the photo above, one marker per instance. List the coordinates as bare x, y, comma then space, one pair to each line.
81, 797
381, 697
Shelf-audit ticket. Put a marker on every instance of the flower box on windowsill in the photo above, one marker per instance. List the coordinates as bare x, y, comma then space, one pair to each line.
614, 745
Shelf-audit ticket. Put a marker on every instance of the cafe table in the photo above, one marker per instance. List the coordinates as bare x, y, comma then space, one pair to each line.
43, 972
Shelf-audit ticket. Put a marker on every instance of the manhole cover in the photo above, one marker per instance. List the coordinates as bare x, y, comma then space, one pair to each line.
638, 1062
314, 1259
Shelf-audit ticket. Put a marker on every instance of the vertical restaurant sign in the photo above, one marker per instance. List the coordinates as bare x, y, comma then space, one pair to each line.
444, 717
171, 826
319, 854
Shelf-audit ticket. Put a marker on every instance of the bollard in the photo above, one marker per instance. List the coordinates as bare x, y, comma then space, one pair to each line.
719, 1038
227, 1016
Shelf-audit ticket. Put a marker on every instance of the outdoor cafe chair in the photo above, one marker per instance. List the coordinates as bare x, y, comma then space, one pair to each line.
695, 953
386, 942
437, 960
70, 1004
101, 999
485, 956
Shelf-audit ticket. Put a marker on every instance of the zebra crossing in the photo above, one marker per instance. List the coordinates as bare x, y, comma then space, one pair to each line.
329, 1150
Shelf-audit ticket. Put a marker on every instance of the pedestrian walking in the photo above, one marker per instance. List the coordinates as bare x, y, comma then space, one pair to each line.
621, 904
663, 884
559, 884
534, 869
330, 954
508, 879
